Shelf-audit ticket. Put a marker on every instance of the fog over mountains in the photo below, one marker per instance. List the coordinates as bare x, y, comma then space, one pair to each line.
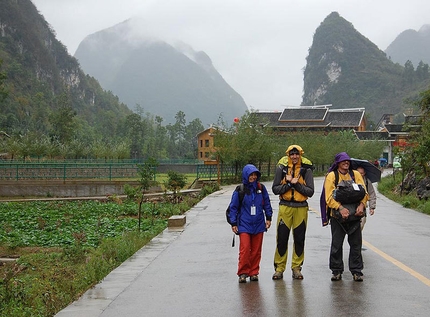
164, 78
161, 78
411, 45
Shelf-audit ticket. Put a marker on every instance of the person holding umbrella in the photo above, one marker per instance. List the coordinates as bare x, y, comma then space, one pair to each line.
372, 195
371, 174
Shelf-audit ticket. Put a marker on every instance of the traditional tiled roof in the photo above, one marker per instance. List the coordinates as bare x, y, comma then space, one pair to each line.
303, 114
345, 117
267, 118
414, 120
372, 135
394, 128
314, 117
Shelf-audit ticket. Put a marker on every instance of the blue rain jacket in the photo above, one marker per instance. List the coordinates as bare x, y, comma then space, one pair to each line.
246, 222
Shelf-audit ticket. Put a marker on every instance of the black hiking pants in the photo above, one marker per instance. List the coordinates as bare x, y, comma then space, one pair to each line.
338, 232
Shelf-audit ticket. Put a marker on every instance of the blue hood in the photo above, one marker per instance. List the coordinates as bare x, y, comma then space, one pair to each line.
248, 170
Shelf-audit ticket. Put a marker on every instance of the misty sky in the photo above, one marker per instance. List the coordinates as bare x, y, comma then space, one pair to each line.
259, 47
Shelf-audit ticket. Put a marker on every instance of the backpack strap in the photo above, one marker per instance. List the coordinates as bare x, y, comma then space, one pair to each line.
303, 169
260, 187
241, 190
336, 176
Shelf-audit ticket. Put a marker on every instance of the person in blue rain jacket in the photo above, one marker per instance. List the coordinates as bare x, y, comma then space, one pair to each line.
250, 219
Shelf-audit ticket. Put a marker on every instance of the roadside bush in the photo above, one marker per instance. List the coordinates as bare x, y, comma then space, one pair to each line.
388, 186
209, 189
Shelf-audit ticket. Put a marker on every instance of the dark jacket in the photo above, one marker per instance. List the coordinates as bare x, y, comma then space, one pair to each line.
246, 222
293, 195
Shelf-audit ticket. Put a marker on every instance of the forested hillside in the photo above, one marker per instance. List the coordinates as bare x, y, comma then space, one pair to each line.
43, 82
51, 108
347, 70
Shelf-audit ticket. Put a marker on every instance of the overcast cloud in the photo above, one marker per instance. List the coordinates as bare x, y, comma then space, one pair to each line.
259, 47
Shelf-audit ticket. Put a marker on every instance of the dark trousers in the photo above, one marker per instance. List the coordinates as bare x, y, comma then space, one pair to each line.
338, 232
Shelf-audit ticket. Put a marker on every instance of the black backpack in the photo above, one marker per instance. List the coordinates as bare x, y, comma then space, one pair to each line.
348, 196
241, 189
345, 193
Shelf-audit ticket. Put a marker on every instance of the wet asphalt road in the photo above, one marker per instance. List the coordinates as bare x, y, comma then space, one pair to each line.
192, 271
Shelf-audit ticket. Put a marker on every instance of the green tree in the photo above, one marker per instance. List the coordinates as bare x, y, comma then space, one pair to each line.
3, 91
408, 73
418, 153
146, 172
121, 149
40, 146
176, 136
175, 181
13, 147
63, 120
78, 149
190, 138
136, 132
422, 71
246, 141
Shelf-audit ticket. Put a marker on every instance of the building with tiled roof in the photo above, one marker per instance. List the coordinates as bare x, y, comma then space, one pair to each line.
323, 118
396, 135
314, 118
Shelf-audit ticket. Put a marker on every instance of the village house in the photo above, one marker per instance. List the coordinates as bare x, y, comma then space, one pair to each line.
322, 118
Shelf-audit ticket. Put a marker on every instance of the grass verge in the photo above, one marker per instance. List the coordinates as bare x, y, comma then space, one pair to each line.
389, 186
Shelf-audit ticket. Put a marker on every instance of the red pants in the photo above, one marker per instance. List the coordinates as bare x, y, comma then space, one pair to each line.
250, 253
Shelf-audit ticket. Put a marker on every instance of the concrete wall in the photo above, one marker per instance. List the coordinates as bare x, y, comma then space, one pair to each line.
54, 188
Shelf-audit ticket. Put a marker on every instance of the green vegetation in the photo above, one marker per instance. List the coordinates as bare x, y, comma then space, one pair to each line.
250, 142
415, 157
175, 181
137, 137
64, 248
390, 187
51, 109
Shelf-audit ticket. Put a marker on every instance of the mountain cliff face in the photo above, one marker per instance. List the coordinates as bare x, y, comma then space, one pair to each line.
40, 75
159, 77
347, 70
411, 45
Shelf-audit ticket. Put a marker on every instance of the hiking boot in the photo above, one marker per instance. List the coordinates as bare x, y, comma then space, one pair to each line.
297, 274
336, 277
278, 276
357, 277
254, 278
242, 278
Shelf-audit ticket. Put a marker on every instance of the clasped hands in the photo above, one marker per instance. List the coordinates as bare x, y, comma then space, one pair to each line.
358, 212
290, 179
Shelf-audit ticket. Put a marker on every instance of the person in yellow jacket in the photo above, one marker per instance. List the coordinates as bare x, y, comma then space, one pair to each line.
340, 226
294, 183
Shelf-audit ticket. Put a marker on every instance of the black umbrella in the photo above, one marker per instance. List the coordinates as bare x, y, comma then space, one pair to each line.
372, 172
